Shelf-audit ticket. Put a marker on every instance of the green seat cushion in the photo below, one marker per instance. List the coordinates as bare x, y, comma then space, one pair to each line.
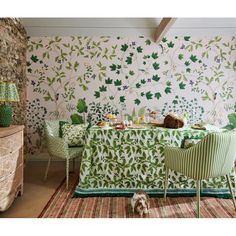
74, 135
190, 141
75, 151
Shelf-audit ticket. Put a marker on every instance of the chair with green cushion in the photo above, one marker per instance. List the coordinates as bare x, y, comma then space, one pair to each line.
212, 157
58, 147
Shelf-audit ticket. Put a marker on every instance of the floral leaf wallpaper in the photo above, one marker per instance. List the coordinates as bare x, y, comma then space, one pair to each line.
182, 74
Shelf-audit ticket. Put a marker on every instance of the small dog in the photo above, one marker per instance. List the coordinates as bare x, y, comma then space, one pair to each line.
140, 203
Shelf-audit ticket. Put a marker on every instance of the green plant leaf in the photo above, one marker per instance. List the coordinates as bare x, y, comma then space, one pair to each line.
156, 66
143, 81
81, 105
76, 119
117, 82
138, 85
232, 119
124, 47
155, 78
182, 85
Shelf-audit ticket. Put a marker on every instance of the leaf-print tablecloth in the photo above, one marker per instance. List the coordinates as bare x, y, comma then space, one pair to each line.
118, 162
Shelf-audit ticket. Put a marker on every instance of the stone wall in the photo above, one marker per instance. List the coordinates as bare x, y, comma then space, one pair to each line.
13, 44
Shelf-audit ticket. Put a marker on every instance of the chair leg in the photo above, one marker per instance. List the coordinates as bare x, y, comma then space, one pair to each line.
67, 172
166, 183
231, 191
47, 168
198, 183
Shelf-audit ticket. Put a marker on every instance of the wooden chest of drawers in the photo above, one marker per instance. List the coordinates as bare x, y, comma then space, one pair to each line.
11, 164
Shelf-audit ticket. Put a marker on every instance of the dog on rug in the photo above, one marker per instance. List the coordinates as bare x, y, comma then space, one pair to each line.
140, 203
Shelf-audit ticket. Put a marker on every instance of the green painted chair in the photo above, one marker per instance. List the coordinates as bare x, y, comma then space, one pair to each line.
59, 148
212, 157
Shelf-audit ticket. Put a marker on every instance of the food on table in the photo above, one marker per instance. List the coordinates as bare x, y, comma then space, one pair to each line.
103, 124
137, 126
173, 121
111, 117
120, 126
198, 126
153, 114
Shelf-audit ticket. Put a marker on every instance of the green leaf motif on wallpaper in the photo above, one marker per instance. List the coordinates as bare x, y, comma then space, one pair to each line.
139, 49
149, 95
148, 42
168, 90
138, 85
137, 101
187, 63
181, 56
122, 98
124, 47
164, 40
76, 65
48, 97
154, 55
170, 44
34, 58
182, 85
113, 67
186, 38
131, 72
155, 78
108, 81
193, 58
143, 81
97, 94
156, 66
117, 82
128, 60
157, 95
103, 88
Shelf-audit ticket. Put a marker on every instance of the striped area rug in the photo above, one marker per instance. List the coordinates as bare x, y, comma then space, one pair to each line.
62, 205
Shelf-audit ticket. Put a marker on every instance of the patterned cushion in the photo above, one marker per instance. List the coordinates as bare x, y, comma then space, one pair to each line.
74, 135
190, 141
61, 124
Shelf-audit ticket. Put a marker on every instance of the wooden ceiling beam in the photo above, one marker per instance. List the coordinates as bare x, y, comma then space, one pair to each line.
162, 28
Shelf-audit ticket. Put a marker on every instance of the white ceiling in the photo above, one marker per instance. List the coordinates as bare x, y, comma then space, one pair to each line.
125, 26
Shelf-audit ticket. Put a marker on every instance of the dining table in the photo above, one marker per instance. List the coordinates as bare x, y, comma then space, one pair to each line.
120, 162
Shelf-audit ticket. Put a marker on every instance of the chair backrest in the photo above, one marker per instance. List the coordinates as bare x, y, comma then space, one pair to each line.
52, 127
214, 155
